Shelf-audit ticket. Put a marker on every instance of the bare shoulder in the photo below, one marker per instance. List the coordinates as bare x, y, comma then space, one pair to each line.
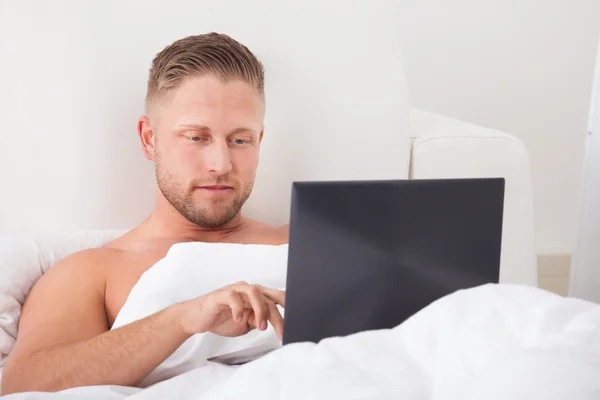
283, 233
261, 233
82, 272
91, 263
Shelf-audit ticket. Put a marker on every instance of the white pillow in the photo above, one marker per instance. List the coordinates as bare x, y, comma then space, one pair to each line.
24, 258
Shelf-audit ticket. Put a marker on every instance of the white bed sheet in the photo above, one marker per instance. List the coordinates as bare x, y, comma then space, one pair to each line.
491, 342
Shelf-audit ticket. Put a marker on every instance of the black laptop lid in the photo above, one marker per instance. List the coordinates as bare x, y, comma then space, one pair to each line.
367, 255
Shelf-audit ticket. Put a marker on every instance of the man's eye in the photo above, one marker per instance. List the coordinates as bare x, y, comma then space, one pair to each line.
195, 138
240, 141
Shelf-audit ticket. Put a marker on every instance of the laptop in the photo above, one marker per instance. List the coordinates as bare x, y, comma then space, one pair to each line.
367, 255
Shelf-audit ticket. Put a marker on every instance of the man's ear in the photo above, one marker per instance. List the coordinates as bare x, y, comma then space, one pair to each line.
146, 137
261, 135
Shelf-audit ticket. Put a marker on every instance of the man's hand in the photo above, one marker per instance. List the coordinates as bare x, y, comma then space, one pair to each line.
234, 310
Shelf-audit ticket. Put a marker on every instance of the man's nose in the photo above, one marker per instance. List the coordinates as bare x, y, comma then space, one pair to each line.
218, 161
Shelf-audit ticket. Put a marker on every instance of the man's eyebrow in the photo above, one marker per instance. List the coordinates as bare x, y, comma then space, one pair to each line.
196, 127
242, 129
204, 128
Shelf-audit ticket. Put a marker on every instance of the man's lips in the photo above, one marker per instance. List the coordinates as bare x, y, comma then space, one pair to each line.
216, 188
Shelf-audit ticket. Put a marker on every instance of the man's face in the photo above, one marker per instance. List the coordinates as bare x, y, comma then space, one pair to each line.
206, 142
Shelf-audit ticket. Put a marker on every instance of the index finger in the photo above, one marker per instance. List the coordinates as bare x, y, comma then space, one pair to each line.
276, 319
276, 296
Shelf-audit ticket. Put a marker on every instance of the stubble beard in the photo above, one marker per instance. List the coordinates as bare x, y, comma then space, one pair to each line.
216, 212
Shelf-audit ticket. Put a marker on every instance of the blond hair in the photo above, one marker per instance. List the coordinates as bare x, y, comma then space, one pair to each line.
211, 53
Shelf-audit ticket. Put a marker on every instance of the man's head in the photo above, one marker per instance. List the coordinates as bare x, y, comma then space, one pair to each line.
204, 125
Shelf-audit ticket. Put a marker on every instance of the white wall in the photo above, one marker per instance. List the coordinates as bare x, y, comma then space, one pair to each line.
522, 66
72, 85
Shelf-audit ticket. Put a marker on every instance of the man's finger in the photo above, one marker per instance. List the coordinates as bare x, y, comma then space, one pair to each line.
248, 317
276, 296
257, 302
275, 318
236, 304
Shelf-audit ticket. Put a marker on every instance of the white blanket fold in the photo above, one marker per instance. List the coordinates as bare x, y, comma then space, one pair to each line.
190, 270
491, 342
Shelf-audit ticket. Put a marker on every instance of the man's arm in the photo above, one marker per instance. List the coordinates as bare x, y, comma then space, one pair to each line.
64, 339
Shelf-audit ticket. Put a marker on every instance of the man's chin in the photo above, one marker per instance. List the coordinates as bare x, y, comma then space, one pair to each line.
214, 219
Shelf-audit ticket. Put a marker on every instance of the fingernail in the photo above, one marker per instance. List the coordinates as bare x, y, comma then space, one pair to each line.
263, 325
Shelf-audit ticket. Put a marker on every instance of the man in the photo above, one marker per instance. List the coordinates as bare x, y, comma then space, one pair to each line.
203, 128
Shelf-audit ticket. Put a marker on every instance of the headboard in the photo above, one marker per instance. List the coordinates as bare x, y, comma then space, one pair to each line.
73, 83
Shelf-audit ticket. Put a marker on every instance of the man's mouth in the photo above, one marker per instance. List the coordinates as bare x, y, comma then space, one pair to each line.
216, 188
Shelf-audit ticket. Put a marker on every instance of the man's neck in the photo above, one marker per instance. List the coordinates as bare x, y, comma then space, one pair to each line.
156, 226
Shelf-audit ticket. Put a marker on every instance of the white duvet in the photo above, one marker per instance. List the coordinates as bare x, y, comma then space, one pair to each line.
491, 342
